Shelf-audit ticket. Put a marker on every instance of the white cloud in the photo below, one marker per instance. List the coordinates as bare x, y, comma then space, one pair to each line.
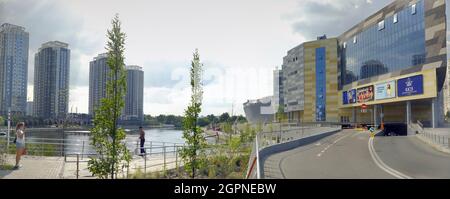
240, 42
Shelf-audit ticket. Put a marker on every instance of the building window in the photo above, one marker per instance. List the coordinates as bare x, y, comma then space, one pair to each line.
381, 25
355, 40
395, 18
413, 9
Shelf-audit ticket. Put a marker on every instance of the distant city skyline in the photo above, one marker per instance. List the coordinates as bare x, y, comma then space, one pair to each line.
234, 41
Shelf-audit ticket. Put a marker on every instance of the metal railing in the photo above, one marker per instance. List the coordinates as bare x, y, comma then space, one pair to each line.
164, 156
51, 146
440, 140
157, 154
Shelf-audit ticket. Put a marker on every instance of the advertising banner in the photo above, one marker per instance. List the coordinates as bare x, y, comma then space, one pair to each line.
385, 90
345, 97
365, 94
349, 97
410, 86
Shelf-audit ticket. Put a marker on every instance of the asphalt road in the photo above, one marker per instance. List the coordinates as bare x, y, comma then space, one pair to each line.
348, 155
413, 157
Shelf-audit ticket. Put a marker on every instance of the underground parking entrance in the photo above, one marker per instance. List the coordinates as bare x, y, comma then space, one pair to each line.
392, 118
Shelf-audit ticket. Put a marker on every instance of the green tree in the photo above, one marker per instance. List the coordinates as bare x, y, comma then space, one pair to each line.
2, 121
107, 138
212, 118
280, 114
203, 121
224, 117
191, 132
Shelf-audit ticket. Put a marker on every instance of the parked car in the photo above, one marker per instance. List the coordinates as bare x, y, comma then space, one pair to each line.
2, 134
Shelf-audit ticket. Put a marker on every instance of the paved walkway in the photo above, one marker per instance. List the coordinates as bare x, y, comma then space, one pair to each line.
38, 167
35, 167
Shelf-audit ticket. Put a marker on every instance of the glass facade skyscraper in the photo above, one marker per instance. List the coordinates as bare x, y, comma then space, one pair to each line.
394, 58
392, 44
14, 41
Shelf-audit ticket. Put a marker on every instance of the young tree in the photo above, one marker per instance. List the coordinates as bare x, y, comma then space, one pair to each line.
191, 132
280, 114
107, 138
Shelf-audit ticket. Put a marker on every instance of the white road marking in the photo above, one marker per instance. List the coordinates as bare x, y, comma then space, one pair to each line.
382, 165
326, 148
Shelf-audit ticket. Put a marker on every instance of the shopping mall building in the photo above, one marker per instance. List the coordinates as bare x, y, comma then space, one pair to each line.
393, 65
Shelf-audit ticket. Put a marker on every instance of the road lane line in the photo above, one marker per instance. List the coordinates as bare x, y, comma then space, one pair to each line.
329, 146
382, 165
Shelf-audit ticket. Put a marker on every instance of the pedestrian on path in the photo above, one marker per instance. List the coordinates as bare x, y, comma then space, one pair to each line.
20, 143
142, 139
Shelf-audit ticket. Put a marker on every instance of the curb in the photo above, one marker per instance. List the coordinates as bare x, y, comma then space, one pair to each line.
435, 146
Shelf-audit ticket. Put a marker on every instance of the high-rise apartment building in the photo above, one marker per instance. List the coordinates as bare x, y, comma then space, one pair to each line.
134, 99
51, 80
98, 77
14, 41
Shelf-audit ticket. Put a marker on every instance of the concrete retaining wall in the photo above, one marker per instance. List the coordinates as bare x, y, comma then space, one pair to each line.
270, 150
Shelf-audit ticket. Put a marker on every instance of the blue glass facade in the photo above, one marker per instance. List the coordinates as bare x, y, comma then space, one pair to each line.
321, 83
396, 43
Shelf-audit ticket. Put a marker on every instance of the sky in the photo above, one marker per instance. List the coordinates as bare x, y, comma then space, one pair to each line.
240, 42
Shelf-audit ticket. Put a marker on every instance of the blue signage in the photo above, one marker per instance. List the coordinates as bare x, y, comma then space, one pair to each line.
410, 86
345, 97
349, 97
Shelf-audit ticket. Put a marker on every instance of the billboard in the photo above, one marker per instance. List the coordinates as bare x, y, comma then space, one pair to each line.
349, 97
385, 90
345, 97
410, 86
365, 94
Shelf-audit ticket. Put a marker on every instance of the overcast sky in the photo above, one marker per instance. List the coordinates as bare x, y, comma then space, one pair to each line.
240, 42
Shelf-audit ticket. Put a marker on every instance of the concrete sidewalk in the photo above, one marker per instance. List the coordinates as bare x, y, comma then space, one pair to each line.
41, 167
35, 167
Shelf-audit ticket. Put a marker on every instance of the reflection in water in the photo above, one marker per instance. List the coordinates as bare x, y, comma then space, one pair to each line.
78, 141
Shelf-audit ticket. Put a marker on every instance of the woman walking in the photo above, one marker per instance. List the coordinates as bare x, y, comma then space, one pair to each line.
20, 143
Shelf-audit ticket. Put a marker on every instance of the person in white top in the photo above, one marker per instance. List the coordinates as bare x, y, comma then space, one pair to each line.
20, 143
